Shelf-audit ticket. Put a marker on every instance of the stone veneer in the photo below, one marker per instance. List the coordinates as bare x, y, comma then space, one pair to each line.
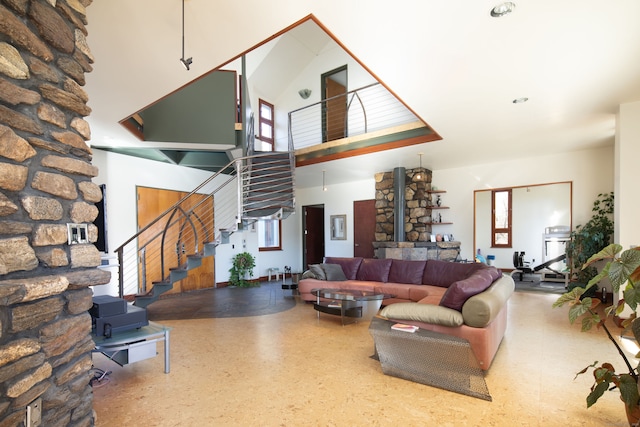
417, 221
45, 183
417, 202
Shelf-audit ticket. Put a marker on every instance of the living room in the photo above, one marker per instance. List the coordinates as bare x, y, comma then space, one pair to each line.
488, 142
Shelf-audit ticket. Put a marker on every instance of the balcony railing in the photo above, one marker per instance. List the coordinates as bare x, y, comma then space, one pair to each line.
368, 109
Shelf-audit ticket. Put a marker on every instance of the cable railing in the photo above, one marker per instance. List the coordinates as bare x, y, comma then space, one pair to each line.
199, 218
254, 187
367, 109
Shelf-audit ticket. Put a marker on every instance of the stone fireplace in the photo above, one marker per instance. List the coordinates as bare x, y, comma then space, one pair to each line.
45, 184
404, 200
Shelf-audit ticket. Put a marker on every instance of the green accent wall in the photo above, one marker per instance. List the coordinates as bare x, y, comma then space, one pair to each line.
202, 112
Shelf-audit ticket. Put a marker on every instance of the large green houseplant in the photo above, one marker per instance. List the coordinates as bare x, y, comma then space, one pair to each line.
241, 267
623, 271
590, 238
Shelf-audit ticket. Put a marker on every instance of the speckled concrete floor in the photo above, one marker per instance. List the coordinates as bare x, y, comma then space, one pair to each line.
293, 369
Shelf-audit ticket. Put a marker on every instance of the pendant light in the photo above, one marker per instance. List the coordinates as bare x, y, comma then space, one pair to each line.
324, 186
420, 175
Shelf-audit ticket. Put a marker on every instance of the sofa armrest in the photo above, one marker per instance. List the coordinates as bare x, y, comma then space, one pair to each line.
480, 310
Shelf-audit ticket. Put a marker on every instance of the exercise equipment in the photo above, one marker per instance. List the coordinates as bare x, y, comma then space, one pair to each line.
522, 267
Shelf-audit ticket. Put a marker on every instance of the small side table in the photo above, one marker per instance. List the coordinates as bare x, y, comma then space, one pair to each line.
134, 345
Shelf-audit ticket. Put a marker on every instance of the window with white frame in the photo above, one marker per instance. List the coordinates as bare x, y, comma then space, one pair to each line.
269, 235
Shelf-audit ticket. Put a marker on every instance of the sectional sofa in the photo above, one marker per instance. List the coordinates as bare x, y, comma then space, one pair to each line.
466, 300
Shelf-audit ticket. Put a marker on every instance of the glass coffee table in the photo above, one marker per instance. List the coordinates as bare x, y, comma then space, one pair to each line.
350, 305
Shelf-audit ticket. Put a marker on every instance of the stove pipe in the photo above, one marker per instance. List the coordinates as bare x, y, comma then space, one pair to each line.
399, 176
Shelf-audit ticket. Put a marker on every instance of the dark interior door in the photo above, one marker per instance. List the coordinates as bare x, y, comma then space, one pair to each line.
312, 235
364, 228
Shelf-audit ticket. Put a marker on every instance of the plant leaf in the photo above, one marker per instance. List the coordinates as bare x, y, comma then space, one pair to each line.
632, 296
629, 390
589, 321
596, 393
573, 296
579, 308
609, 252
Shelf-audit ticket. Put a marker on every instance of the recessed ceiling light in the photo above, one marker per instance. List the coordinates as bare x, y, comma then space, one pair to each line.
503, 9
520, 100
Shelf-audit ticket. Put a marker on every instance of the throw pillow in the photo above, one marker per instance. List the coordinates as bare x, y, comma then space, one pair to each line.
427, 313
333, 272
349, 265
444, 273
374, 270
308, 274
459, 292
317, 270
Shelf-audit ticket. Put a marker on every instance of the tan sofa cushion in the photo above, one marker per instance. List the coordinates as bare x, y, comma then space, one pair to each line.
426, 313
480, 310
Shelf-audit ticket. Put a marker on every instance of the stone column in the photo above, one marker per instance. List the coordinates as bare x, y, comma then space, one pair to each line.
45, 183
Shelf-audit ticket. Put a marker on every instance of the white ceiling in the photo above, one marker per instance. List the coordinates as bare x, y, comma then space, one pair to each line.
458, 68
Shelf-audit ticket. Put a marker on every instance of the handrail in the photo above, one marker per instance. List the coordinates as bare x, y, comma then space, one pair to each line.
192, 223
203, 184
324, 101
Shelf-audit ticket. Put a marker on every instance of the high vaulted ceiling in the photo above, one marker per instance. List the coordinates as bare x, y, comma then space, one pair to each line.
453, 64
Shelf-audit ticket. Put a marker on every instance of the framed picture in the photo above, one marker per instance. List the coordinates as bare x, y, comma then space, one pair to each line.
338, 226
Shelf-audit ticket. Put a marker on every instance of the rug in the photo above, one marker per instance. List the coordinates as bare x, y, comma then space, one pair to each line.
268, 298
544, 287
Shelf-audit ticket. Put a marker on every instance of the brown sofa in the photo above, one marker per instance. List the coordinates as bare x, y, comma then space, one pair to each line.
466, 300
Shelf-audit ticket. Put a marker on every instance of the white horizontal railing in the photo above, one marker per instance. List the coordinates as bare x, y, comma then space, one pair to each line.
368, 109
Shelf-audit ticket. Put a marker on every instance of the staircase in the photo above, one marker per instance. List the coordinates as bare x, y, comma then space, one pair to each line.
250, 188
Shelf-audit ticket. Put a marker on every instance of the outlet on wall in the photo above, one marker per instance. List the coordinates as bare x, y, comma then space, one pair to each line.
34, 413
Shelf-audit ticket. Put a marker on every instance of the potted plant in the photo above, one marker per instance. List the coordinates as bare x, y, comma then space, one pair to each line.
622, 269
589, 239
242, 265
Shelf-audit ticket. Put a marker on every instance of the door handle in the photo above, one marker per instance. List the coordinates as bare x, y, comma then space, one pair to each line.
357, 244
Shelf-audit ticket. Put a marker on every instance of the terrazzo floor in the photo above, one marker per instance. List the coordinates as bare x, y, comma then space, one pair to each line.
292, 368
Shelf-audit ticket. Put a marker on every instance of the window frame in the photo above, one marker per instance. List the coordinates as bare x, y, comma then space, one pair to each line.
269, 139
496, 230
259, 229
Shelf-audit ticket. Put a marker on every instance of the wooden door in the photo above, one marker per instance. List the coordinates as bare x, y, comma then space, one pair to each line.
151, 203
336, 110
312, 235
364, 228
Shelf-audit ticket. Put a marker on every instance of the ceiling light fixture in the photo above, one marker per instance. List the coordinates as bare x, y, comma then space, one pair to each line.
420, 175
520, 100
324, 187
304, 93
185, 62
503, 9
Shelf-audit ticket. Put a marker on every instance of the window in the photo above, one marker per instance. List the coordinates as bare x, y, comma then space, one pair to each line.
501, 219
265, 125
269, 235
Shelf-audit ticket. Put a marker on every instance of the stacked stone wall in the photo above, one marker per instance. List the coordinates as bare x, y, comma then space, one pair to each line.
45, 183
417, 206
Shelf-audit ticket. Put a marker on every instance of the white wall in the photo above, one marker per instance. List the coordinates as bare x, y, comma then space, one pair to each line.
590, 170
627, 202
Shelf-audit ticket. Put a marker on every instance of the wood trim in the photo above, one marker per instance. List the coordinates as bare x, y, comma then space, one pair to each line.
368, 150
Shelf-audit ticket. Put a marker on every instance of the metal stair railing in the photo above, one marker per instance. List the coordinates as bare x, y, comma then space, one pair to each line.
181, 231
203, 219
267, 186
